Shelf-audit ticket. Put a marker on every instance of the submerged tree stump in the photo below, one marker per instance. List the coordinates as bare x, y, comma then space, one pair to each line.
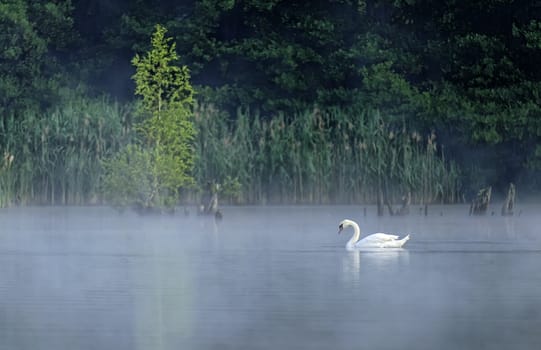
479, 205
386, 200
212, 205
405, 208
380, 202
210, 200
509, 204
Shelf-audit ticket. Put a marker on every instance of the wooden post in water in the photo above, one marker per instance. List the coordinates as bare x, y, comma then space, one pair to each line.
389, 206
210, 199
406, 201
509, 204
387, 201
380, 201
479, 205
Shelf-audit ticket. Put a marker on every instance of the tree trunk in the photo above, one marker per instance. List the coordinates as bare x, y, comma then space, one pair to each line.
380, 200
509, 204
406, 201
479, 205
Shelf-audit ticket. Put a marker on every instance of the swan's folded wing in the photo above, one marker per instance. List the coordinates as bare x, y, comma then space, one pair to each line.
399, 243
378, 240
382, 237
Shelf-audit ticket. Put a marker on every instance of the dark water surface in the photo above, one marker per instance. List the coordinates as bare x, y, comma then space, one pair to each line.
267, 278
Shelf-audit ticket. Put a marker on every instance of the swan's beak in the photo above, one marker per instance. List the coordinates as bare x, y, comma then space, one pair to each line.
340, 228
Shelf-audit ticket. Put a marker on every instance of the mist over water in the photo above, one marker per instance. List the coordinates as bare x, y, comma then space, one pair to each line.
267, 278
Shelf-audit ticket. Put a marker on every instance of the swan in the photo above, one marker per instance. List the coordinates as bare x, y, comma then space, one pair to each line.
376, 240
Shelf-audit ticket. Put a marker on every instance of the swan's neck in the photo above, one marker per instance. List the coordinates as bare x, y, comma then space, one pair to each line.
355, 237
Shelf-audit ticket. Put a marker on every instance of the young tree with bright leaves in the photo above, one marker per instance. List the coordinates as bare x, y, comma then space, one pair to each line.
166, 132
166, 108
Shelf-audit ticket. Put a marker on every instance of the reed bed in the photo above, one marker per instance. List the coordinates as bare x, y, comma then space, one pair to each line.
318, 156
56, 157
331, 156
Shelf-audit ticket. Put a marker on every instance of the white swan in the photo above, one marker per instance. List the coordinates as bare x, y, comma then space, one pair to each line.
376, 240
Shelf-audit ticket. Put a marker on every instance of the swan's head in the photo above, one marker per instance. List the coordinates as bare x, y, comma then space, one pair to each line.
343, 224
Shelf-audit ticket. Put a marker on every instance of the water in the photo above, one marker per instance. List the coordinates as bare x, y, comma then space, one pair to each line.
267, 278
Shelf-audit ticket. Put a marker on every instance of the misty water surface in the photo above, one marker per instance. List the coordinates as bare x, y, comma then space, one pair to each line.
267, 278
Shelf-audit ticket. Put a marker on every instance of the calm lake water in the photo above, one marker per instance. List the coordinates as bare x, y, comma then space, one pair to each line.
267, 278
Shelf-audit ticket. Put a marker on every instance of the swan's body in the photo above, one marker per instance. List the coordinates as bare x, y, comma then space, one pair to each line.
376, 240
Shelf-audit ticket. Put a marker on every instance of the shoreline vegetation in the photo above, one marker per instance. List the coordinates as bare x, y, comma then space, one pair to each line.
321, 157
166, 150
56, 158
314, 157
348, 102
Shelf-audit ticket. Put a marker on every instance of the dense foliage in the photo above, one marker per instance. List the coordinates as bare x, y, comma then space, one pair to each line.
465, 70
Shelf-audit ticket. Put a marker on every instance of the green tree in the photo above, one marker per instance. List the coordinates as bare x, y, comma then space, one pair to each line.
166, 129
167, 101
162, 84
33, 32
479, 64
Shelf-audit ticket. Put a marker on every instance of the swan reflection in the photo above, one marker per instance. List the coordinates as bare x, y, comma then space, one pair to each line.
360, 261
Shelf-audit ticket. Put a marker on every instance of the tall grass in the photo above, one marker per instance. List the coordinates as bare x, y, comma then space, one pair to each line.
57, 156
332, 156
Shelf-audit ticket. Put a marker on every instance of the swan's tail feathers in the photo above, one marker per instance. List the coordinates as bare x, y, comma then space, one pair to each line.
404, 240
